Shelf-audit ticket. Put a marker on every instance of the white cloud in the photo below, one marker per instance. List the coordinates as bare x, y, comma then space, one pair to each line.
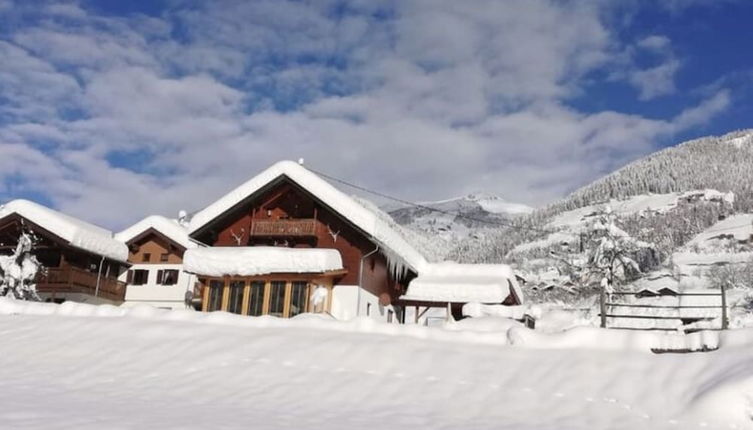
655, 80
424, 99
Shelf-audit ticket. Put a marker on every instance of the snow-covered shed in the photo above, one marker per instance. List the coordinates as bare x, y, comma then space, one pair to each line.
81, 261
156, 246
452, 285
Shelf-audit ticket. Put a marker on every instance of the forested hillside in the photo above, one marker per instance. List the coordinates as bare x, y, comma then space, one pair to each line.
663, 200
723, 163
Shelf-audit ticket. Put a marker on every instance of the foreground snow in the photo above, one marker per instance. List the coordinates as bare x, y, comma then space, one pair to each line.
85, 367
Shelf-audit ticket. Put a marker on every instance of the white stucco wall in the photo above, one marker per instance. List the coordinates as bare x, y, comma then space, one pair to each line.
161, 296
431, 317
345, 304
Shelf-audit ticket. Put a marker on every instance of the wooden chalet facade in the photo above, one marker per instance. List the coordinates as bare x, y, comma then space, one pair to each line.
366, 267
70, 272
285, 211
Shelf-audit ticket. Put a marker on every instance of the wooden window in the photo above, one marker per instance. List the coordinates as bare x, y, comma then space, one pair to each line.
256, 299
167, 277
299, 298
277, 298
140, 277
146, 257
164, 257
215, 295
235, 301
129, 277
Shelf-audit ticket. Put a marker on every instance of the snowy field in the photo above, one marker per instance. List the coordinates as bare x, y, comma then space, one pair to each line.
86, 367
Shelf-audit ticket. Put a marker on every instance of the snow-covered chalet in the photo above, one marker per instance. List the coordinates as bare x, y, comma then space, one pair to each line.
287, 242
81, 261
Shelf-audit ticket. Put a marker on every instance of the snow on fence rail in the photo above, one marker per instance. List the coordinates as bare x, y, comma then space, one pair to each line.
690, 307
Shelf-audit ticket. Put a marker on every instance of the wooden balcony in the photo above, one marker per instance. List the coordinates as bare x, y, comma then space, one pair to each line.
284, 228
74, 280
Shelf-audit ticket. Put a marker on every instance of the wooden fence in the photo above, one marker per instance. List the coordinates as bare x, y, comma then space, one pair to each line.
611, 309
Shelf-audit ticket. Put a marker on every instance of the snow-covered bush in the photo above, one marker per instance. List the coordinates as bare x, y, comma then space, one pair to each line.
731, 275
18, 271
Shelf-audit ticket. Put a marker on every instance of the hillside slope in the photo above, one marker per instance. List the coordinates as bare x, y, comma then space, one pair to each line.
664, 199
723, 163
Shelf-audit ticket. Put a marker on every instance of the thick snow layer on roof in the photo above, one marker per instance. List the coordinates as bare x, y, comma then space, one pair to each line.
77, 233
463, 283
168, 227
361, 217
657, 281
259, 260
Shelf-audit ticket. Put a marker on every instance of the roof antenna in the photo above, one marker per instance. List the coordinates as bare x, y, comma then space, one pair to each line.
300, 161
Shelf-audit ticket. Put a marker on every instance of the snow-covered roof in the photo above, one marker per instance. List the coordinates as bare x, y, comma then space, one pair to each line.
259, 260
77, 233
463, 283
657, 281
168, 227
392, 241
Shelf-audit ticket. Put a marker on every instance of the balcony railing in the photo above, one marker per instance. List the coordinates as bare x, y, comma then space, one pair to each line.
74, 280
272, 228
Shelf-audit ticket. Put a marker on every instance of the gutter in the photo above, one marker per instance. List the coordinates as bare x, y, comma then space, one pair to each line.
360, 279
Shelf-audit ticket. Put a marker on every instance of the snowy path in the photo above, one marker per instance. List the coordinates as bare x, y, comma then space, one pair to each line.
61, 372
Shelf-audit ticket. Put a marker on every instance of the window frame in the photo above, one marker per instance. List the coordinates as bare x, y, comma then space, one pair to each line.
135, 274
264, 288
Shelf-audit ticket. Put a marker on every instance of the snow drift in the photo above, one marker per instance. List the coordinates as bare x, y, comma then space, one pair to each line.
92, 367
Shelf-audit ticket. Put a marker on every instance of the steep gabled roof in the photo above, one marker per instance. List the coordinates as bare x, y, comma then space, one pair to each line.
169, 228
78, 233
398, 251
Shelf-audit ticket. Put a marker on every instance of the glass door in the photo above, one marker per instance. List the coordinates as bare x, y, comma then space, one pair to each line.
277, 298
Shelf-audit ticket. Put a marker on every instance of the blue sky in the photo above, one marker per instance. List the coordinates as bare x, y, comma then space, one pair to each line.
114, 110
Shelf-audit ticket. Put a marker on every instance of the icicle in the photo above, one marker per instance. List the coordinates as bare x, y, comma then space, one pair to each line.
395, 265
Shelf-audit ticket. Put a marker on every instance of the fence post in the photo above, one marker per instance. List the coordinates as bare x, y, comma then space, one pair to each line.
725, 321
603, 307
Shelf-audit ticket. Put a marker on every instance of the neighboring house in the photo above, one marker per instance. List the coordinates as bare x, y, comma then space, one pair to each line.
155, 250
287, 242
81, 261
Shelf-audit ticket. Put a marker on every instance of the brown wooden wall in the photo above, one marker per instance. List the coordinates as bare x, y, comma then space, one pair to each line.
287, 201
155, 246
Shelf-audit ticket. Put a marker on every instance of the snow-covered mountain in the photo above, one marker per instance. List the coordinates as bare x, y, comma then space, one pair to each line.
666, 199
458, 218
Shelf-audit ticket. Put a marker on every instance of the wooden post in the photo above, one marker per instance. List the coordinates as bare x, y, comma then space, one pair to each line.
603, 307
725, 322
